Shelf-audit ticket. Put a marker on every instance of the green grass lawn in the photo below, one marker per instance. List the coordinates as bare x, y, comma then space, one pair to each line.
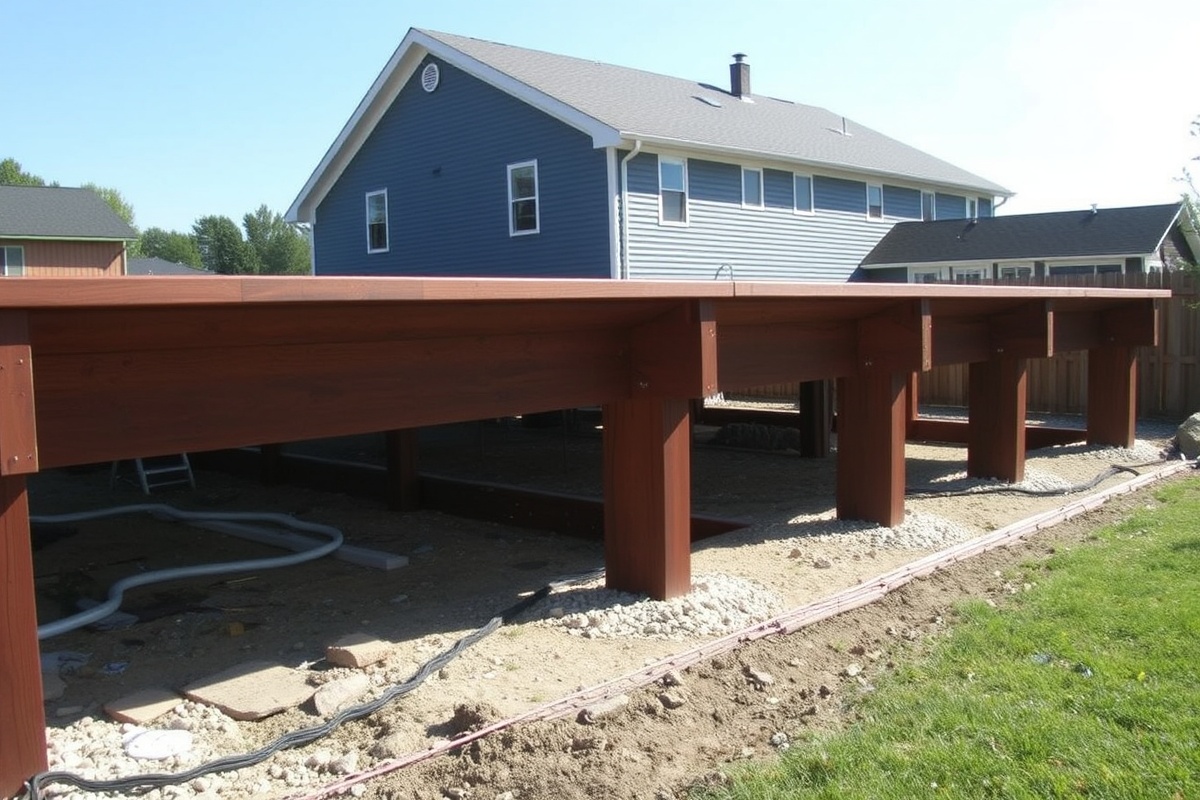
1088, 685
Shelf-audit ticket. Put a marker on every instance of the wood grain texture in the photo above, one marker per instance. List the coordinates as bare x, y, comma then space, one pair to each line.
1112, 396
647, 497
22, 719
996, 432
18, 429
871, 427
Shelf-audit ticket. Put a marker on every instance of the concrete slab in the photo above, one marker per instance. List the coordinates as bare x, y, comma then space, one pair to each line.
357, 650
143, 706
253, 690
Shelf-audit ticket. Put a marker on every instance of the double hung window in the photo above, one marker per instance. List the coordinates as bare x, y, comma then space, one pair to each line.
672, 190
523, 199
377, 222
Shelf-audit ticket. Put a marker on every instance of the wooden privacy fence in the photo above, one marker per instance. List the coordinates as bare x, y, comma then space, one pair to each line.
1168, 376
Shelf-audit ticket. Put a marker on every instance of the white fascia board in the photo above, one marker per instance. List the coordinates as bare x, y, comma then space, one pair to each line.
826, 167
1008, 262
394, 76
602, 135
366, 116
1166, 231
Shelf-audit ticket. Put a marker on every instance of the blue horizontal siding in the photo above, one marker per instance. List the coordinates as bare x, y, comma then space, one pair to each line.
442, 156
950, 206
838, 194
901, 202
714, 181
779, 189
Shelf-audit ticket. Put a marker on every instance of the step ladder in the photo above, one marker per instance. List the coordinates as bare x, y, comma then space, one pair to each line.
159, 471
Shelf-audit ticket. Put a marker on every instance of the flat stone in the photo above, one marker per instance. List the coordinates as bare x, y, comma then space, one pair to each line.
605, 708
53, 686
252, 690
336, 695
357, 650
143, 706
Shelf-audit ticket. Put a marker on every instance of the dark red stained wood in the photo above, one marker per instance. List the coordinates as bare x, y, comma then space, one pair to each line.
870, 465
22, 720
1024, 333
675, 355
954, 432
108, 406
18, 432
647, 497
996, 433
1131, 325
959, 341
816, 419
897, 340
758, 355
1112, 396
403, 483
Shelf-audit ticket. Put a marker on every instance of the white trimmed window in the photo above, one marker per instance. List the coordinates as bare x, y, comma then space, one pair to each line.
925, 275
1015, 272
752, 188
377, 222
928, 207
804, 193
12, 261
874, 201
972, 208
969, 274
672, 190
523, 212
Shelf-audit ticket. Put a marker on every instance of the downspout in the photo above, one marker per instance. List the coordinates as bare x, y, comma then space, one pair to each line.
996, 206
637, 148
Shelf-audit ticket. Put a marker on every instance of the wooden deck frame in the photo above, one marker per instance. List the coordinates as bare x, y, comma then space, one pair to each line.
996, 430
142, 367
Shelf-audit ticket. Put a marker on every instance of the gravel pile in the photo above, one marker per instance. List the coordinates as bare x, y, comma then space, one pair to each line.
717, 604
919, 531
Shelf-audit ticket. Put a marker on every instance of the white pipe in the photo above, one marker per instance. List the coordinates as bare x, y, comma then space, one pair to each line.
637, 148
117, 590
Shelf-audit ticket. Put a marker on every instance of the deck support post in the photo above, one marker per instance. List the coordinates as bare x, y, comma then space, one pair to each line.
912, 401
1112, 396
816, 419
23, 732
871, 425
996, 432
647, 496
403, 481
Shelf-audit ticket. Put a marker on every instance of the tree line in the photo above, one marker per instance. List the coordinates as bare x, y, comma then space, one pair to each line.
264, 244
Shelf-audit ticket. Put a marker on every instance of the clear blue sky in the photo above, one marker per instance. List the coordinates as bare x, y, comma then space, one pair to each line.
218, 106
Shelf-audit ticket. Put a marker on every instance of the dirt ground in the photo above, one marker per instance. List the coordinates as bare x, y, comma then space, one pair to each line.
462, 572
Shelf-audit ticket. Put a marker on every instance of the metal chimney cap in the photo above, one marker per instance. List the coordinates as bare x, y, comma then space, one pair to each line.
739, 57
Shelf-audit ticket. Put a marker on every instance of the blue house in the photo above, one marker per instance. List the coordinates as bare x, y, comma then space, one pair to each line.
469, 157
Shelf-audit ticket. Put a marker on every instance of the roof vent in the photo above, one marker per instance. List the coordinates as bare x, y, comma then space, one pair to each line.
430, 77
739, 77
1094, 209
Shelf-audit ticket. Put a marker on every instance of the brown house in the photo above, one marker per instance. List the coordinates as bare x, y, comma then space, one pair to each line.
51, 231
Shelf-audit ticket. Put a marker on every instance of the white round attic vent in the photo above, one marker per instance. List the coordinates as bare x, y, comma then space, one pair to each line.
429, 77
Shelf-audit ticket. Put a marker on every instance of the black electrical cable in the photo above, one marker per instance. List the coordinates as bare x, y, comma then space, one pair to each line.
300, 737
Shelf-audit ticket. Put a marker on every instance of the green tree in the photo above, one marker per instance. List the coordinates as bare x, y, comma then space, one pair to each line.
11, 174
280, 248
173, 246
222, 248
115, 201
1189, 220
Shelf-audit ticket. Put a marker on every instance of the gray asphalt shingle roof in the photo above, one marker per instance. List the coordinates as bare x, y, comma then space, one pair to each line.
638, 103
1062, 234
60, 213
160, 266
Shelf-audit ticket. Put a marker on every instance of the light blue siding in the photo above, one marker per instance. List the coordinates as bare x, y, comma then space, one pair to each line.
770, 243
901, 202
779, 189
442, 156
951, 206
713, 181
838, 194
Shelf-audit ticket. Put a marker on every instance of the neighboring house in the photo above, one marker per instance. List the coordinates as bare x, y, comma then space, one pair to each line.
468, 157
60, 232
1018, 247
160, 266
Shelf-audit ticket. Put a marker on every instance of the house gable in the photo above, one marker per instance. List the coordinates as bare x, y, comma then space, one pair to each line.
442, 157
